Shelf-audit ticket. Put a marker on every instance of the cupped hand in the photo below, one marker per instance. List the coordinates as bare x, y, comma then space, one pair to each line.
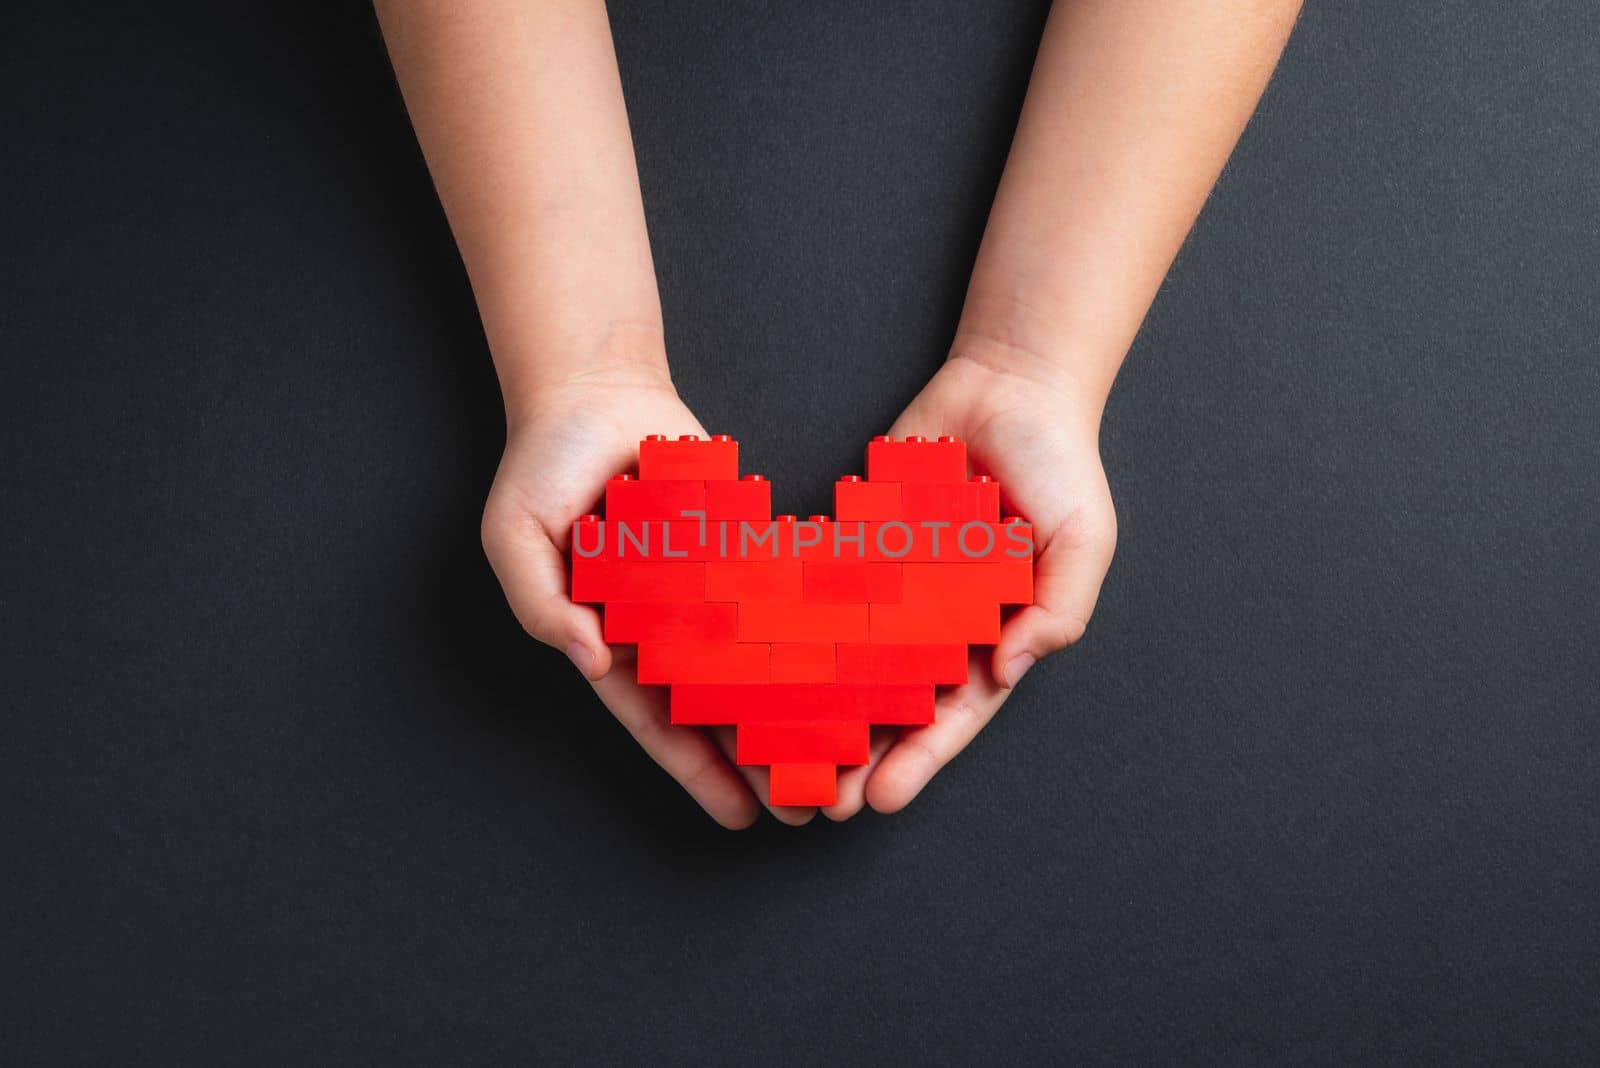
1037, 435
559, 455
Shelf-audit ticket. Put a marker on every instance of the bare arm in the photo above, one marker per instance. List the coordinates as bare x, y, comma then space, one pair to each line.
519, 110
1132, 111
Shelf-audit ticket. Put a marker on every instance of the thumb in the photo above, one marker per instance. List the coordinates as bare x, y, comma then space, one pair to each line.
531, 566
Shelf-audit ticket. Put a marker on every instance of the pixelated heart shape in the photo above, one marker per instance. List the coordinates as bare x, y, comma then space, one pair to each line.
802, 634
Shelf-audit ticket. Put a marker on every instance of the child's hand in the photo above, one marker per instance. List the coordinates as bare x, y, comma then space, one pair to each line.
558, 458
1037, 435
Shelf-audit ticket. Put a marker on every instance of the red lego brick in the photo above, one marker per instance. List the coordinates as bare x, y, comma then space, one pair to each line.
719, 703
857, 499
788, 538
754, 539
959, 502
754, 580
851, 581
803, 662
932, 540
627, 621
829, 742
646, 539
700, 661
808, 539
587, 539
690, 458
598, 581
671, 539
706, 704
942, 665
803, 784
975, 624
982, 499
631, 498
748, 498
884, 703
1013, 583
770, 621
1017, 534
994, 581
916, 460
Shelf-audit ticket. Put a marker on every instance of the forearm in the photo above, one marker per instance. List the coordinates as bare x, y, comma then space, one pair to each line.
519, 111
1132, 110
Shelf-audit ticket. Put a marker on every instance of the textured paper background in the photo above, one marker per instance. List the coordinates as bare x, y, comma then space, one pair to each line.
283, 781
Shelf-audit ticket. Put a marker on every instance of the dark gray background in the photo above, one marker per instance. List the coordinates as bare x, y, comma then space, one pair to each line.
283, 781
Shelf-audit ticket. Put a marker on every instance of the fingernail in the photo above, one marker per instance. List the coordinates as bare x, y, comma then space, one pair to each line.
580, 655
1016, 668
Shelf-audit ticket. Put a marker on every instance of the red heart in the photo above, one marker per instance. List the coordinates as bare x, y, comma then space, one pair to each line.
802, 634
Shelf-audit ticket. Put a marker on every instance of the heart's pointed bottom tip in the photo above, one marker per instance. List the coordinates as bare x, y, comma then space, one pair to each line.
804, 785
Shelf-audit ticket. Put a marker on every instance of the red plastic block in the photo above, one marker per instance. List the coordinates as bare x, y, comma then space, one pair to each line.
1018, 537
721, 536
855, 499
649, 539
820, 742
983, 498
803, 662
689, 458
707, 704
599, 581
723, 540
748, 498
699, 661
803, 784
916, 460
851, 581
995, 581
754, 580
811, 538
637, 622
956, 501
942, 665
974, 624
932, 540
631, 498
769, 621
753, 539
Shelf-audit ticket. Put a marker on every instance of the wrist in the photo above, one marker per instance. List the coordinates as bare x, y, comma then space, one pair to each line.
540, 377
1006, 374
1035, 339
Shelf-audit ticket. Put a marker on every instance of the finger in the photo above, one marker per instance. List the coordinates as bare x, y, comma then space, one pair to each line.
1066, 584
689, 756
919, 754
759, 780
532, 569
852, 794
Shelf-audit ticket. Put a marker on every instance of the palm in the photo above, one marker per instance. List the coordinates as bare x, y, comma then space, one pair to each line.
554, 470
1032, 440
